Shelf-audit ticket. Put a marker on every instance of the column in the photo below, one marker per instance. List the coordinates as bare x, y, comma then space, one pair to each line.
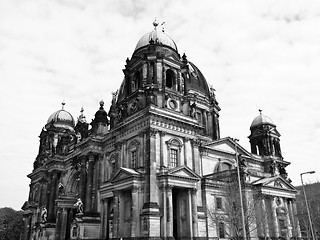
64, 223
58, 224
216, 129
83, 176
163, 222
116, 214
88, 203
264, 218
43, 193
151, 186
289, 225
135, 218
162, 134
194, 212
271, 146
274, 216
169, 212
155, 72
210, 123
106, 211
185, 141
96, 184
52, 196
195, 156
149, 76
48, 193
205, 121
189, 213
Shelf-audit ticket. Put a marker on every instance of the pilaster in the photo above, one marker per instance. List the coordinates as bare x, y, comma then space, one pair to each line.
274, 216
135, 212
88, 203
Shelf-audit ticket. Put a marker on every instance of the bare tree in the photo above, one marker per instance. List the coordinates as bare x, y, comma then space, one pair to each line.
228, 214
313, 196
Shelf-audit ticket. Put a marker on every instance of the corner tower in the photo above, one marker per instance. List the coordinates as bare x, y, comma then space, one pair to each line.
264, 137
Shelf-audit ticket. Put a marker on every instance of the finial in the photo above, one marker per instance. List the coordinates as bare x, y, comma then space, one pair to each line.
82, 110
63, 103
260, 111
101, 104
155, 24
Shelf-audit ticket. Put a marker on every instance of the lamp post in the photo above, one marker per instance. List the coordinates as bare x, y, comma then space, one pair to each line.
305, 198
240, 192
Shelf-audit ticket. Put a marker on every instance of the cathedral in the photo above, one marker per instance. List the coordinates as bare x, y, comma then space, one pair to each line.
154, 166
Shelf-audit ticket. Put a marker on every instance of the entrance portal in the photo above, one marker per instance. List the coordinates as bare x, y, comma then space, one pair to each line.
182, 220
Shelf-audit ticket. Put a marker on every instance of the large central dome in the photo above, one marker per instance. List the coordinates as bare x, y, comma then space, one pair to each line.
158, 37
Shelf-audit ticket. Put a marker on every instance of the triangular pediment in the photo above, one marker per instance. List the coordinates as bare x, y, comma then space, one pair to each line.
125, 173
29, 205
183, 171
227, 145
274, 182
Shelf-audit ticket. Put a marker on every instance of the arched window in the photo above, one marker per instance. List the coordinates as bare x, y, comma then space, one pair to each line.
174, 152
73, 182
135, 82
170, 79
224, 165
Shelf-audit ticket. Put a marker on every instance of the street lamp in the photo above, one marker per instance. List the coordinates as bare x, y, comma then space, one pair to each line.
305, 198
240, 191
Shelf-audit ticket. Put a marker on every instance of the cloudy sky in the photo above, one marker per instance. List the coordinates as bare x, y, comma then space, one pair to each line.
257, 54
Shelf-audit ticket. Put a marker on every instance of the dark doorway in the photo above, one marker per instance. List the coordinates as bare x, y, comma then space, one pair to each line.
71, 213
174, 214
181, 213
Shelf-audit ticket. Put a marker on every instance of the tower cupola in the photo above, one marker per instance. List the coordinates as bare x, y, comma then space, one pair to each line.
264, 137
100, 122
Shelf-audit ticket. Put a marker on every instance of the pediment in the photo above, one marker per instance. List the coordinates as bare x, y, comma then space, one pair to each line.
227, 145
125, 173
276, 182
183, 171
29, 205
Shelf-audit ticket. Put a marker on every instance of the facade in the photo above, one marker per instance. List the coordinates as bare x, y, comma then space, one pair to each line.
154, 165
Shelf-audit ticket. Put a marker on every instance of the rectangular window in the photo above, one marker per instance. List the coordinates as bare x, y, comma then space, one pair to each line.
219, 203
134, 159
221, 230
173, 157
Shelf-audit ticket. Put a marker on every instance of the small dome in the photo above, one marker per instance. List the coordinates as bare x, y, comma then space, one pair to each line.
158, 37
101, 115
261, 120
61, 119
